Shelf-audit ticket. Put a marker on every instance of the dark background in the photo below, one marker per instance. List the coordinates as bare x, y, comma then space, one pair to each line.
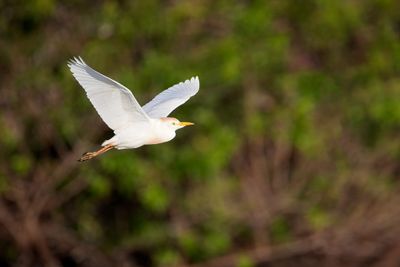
293, 161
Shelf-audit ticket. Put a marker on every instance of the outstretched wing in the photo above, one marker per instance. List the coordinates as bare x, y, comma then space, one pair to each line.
114, 102
168, 100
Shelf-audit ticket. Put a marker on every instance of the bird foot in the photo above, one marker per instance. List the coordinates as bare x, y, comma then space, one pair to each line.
86, 156
89, 155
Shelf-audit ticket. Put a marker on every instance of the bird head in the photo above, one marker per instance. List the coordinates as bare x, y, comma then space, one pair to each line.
175, 124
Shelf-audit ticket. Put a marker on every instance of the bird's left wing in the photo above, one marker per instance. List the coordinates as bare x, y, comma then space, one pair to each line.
168, 100
114, 102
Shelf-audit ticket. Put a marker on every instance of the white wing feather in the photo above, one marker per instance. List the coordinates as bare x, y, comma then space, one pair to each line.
168, 100
114, 102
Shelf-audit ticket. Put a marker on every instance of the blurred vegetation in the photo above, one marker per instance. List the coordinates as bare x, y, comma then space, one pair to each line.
293, 161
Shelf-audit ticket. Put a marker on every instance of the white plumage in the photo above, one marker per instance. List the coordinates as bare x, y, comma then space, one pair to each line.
165, 102
133, 125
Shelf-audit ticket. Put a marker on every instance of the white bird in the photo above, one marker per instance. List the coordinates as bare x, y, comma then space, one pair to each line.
133, 125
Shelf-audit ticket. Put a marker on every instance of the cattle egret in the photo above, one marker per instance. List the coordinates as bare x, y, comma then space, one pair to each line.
133, 125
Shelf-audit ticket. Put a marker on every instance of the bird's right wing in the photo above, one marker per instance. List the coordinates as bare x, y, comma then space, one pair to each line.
168, 100
114, 102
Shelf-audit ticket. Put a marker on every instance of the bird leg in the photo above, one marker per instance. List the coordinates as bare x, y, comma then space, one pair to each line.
89, 155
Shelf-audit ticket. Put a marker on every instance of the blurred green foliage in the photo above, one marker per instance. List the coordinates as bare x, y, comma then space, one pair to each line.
299, 105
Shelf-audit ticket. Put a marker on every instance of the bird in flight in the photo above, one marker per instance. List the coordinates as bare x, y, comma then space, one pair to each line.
133, 125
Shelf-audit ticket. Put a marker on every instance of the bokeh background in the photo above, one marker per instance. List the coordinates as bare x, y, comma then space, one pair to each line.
293, 161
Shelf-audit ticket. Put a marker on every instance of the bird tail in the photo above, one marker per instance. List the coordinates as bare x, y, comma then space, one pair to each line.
109, 141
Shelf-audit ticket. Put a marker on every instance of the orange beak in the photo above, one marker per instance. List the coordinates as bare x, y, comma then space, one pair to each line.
185, 123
